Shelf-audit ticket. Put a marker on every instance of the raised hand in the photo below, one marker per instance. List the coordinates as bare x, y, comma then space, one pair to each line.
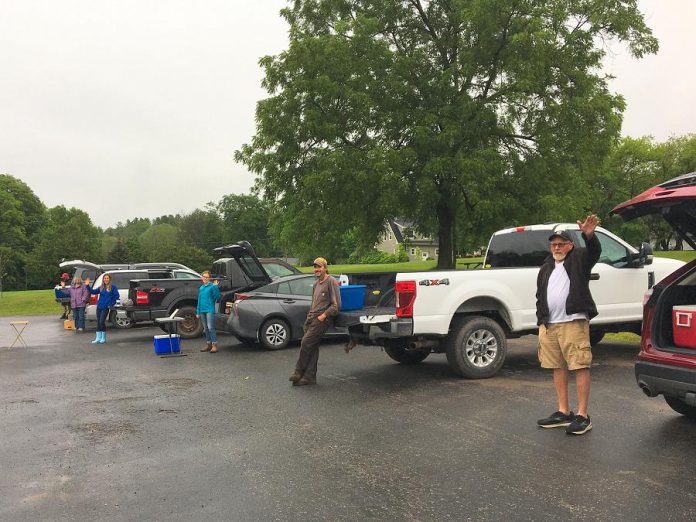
589, 226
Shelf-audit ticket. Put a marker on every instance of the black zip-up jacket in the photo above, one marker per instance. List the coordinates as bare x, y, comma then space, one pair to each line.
578, 265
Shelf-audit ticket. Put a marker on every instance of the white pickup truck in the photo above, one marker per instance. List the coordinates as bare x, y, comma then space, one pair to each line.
469, 314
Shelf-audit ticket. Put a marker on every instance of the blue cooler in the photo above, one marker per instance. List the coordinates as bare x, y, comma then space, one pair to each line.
352, 297
162, 346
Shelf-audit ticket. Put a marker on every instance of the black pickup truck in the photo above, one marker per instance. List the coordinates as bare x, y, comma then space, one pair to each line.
237, 269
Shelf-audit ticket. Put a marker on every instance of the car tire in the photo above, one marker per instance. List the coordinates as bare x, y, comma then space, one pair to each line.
122, 323
401, 354
596, 335
680, 406
192, 326
274, 334
476, 347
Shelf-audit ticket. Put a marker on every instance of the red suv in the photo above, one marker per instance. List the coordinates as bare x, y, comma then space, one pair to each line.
667, 360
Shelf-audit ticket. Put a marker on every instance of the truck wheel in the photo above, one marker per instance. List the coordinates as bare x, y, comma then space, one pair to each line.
401, 354
476, 347
191, 327
122, 322
596, 335
680, 406
274, 334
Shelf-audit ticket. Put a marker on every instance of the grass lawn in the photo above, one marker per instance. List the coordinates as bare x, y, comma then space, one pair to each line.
623, 337
682, 255
413, 266
29, 302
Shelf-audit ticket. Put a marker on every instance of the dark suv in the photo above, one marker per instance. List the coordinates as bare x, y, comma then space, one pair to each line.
667, 360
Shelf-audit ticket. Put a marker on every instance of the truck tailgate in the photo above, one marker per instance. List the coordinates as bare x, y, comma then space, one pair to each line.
352, 317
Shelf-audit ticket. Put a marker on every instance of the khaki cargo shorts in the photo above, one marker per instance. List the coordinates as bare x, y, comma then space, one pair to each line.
565, 345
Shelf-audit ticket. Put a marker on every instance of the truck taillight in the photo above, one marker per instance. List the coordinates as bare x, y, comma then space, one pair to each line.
93, 299
646, 296
405, 296
142, 298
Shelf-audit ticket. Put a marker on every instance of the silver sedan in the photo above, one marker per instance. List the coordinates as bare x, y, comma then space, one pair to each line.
274, 315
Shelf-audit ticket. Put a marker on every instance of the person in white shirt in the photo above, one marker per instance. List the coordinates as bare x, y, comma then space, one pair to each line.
564, 309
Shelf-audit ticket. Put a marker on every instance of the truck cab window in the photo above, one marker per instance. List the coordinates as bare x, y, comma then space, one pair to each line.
518, 249
613, 253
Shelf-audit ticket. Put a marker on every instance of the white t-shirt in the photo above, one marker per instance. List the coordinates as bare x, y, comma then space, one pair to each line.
557, 295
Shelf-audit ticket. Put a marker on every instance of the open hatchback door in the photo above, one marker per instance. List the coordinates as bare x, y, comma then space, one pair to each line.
674, 200
666, 363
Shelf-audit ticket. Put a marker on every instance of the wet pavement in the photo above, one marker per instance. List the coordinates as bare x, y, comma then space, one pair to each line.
113, 432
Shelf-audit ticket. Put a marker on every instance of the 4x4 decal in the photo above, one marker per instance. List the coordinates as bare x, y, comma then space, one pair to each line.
434, 282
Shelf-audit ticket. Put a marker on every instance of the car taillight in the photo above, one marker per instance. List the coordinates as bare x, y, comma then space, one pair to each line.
405, 297
93, 299
142, 298
241, 297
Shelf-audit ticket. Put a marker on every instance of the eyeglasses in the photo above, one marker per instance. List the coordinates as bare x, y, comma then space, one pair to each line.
205, 277
559, 245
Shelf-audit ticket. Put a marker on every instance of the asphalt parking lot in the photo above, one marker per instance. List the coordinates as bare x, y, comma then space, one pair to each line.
115, 433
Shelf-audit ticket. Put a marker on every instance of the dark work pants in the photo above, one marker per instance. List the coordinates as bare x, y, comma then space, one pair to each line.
102, 314
309, 348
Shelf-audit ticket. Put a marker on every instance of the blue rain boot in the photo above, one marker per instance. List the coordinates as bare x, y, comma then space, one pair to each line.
102, 339
96, 338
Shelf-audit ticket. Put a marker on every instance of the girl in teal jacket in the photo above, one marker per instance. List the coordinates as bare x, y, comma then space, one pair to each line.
208, 294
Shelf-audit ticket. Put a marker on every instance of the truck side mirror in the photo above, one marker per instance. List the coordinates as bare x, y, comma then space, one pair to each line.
645, 253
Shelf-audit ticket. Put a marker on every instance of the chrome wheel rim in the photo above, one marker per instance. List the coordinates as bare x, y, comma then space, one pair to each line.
481, 348
123, 322
276, 334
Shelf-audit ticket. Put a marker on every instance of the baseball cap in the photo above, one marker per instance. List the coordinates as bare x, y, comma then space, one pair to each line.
320, 261
563, 234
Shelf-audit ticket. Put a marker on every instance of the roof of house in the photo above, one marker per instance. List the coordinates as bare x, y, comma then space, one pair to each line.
398, 224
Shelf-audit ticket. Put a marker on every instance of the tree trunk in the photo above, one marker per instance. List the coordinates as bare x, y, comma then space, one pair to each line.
445, 218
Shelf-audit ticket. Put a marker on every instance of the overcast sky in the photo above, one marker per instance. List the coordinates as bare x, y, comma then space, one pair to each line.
134, 108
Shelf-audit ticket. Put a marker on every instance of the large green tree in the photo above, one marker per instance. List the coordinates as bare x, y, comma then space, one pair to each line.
202, 229
22, 215
632, 166
66, 234
449, 112
246, 217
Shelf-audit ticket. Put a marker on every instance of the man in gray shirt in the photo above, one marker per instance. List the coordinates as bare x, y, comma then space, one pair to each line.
326, 302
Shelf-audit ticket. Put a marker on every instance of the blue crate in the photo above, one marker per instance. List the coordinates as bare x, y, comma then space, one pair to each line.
352, 297
162, 347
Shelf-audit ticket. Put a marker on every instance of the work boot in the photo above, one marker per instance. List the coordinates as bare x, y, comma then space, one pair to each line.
296, 376
207, 348
214, 348
305, 381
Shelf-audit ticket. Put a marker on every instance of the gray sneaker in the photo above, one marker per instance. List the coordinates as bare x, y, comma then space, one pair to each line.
557, 419
579, 426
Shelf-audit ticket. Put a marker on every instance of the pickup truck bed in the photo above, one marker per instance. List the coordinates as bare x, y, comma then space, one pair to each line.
352, 317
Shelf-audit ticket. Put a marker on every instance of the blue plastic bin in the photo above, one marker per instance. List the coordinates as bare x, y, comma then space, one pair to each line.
60, 294
352, 297
162, 346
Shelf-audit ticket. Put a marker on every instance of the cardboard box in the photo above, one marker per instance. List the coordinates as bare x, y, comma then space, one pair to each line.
163, 347
352, 297
684, 325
